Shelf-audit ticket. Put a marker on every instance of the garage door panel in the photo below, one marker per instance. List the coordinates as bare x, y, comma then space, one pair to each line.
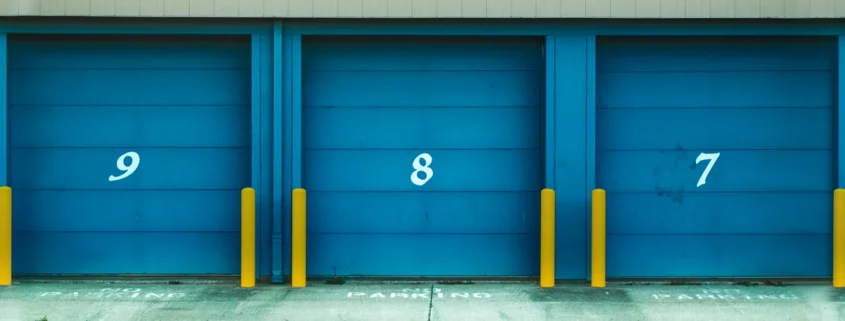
140, 87
765, 104
390, 170
646, 54
150, 252
143, 52
425, 254
438, 128
78, 103
373, 104
496, 88
429, 212
718, 128
721, 255
128, 210
121, 126
159, 168
715, 89
718, 213
676, 171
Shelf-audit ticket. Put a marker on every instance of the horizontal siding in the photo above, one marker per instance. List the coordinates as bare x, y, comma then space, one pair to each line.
431, 8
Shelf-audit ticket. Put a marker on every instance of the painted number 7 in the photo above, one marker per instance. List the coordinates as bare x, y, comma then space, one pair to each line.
712, 157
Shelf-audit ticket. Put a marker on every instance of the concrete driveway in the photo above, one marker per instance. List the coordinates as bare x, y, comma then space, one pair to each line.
417, 301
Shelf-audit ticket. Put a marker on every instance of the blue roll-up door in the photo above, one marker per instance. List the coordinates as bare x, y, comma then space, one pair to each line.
128, 153
717, 155
380, 112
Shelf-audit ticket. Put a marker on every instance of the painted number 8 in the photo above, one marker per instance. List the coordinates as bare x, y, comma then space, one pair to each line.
419, 167
134, 160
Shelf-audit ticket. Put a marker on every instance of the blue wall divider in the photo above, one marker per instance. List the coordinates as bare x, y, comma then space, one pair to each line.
567, 61
840, 112
279, 198
291, 109
4, 110
263, 77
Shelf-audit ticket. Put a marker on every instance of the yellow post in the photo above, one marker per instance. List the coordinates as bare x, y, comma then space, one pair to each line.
5, 235
839, 238
547, 238
297, 269
599, 238
247, 237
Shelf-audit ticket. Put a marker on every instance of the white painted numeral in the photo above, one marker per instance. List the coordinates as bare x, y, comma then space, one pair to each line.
127, 170
712, 157
418, 167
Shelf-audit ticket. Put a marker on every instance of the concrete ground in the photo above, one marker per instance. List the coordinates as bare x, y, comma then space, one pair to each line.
422, 301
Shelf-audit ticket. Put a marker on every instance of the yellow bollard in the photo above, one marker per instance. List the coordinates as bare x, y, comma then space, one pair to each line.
297, 269
5, 235
547, 238
248, 237
599, 264
839, 238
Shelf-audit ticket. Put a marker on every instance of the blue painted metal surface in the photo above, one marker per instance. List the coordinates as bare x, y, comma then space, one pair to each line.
263, 151
279, 209
4, 108
840, 114
291, 106
257, 175
571, 152
590, 174
372, 105
763, 104
569, 141
77, 103
550, 55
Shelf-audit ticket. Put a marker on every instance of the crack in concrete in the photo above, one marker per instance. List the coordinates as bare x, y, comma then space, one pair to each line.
430, 301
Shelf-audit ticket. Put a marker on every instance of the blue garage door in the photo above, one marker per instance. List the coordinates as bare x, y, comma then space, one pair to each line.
717, 155
422, 155
127, 153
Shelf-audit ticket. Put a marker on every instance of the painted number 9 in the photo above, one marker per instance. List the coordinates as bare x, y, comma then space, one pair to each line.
134, 160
